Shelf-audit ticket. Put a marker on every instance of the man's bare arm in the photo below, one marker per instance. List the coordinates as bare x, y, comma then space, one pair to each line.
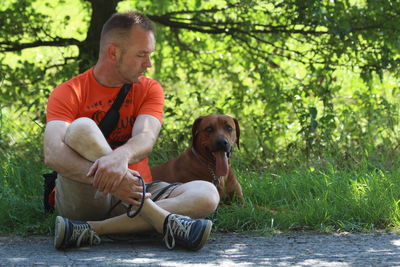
60, 157
110, 169
144, 136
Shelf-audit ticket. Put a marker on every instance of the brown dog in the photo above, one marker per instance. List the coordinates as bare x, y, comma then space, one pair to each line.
213, 138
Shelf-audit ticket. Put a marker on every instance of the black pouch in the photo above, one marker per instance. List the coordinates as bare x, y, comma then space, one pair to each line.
48, 186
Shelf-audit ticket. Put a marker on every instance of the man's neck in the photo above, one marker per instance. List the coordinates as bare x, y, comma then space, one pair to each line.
105, 76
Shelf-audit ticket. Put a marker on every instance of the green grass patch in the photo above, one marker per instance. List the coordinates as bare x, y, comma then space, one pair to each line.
323, 195
21, 187
21, 181
324, 200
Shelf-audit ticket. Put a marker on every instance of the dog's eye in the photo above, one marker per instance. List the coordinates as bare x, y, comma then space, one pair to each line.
209, 129
228, 128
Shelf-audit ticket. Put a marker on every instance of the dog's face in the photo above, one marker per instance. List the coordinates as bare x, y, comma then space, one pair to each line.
214, 137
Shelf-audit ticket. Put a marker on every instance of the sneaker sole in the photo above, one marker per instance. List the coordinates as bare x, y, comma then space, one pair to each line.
206, 234
59, 232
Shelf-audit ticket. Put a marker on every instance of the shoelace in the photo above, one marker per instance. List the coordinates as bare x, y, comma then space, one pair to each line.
85, 235
180, 228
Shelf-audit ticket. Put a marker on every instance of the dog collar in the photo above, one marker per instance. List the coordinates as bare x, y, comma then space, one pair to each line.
210, 167
214, 177
202, 161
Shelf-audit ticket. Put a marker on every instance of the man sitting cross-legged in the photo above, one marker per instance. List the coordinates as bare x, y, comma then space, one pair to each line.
94, 173
85, 138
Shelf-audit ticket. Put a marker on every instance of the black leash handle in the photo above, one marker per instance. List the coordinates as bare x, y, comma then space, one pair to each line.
128, 212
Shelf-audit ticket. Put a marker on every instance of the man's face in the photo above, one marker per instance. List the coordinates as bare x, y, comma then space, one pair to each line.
135, 54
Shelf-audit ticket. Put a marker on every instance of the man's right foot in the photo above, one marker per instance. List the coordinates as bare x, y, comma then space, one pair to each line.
184, 231
70, 233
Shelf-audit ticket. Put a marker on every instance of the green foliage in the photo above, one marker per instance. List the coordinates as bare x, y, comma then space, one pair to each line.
281, 68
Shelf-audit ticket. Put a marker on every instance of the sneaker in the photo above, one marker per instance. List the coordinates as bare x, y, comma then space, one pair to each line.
189, 233
73, 233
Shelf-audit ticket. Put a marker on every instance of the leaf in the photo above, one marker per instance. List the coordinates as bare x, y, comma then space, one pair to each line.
313, 112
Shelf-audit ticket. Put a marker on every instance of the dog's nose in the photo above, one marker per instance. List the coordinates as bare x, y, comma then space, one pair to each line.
221, 143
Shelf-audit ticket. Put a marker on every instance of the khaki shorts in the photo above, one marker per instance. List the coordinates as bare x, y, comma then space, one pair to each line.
79, 201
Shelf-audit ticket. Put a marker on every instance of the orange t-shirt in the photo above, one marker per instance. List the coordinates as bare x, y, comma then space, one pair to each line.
83, 96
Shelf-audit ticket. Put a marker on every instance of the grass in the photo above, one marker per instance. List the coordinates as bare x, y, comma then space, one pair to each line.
21, 197
21, 181
325, 200
323, 196
278, 199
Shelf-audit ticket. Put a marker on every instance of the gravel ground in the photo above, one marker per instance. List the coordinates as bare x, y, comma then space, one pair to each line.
295, 249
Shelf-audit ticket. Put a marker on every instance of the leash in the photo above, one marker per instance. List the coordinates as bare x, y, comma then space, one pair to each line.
141, 201
214, 177
129, 209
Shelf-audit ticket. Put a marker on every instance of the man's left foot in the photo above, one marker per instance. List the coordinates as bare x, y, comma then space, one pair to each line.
70, 233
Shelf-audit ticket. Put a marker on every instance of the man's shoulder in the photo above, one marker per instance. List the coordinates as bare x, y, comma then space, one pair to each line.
74, 86
148, 85
148, 82
77, 80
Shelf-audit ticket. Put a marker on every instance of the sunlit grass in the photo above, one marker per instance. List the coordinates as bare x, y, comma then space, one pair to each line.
325, 195
329, 199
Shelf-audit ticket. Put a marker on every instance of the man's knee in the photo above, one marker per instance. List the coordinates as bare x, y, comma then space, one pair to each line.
85, 137
78, 128
205, 194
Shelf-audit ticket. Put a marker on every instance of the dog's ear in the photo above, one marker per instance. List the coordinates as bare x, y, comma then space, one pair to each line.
237, 131
195, 129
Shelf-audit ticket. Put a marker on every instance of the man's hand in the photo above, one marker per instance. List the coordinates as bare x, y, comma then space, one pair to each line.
131, 189
109, 171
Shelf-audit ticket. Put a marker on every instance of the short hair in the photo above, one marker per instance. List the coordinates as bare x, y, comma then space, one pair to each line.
120, 24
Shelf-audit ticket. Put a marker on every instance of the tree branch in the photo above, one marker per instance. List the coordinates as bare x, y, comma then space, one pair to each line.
66, 60
202, 11
13, 46
226, 27
168, 21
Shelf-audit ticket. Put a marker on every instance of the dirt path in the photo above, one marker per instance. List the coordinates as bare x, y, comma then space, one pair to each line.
221, 250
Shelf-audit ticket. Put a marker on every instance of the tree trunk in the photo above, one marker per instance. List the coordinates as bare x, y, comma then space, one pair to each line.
89, 48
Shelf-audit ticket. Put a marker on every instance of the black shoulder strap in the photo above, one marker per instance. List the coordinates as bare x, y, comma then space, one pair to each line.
110, 120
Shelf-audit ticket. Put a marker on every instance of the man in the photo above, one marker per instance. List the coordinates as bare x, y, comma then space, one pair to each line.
93, 176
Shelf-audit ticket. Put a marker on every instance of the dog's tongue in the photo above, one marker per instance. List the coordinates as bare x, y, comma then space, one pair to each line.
221, 165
